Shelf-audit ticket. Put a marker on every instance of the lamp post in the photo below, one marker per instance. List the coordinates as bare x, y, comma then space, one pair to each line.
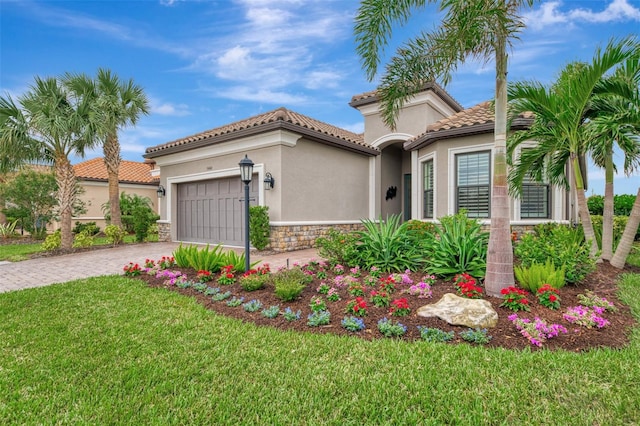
246, 172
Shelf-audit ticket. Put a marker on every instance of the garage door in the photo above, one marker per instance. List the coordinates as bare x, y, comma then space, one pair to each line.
211, 211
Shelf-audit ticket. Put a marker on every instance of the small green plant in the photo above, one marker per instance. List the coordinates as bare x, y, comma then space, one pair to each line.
323, 288
115, 234
252, 305
515, 299
356, 289
53, 241
271, 312
237, 261
548, 297
83, 239
226, 276
187, 284
589, 298
289, 283
535, 276
317, 304
338, 247
319, 318
333, 295
218, 297
477, 336
253, 282
132, 270
291, 315
352, 324
235, 301
399, 308
435, 335
210, 291
90, 227
380, 298
259, 230
357, 307
200, 287
206, 259
8, 230
391, 329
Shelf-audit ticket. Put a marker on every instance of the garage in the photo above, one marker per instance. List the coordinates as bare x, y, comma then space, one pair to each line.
212, 211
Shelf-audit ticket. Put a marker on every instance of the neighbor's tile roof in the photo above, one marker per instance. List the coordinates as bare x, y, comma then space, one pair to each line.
278, 118
130, 171
477, 119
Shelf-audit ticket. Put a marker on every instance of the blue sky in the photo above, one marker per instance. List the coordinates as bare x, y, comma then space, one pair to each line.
207, 63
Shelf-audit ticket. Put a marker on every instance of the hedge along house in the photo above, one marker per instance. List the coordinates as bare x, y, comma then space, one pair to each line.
436, 162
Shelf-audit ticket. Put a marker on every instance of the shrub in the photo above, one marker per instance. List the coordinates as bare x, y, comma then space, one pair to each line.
253, 282
289, 283
619, 223
623, 204
206, 258
83, 239
259, 230
237, 261
563, 245
115, 234
535, 276
90, 227
8, 230
53, 241
338, 248
595, 204
460, 246
143, 218
388, 246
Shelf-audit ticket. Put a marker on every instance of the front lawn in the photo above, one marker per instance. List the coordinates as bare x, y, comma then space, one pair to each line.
112, 350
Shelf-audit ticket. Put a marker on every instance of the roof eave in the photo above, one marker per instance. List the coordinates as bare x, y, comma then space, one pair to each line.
476, 129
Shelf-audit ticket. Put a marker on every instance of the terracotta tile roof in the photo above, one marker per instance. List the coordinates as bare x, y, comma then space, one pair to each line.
372, 96
474, 120
278, 118
130, 171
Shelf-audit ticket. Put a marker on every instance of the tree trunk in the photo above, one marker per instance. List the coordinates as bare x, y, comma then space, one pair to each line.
607, 215
583, 210
66, 179
626, 242
499, 273
112, 160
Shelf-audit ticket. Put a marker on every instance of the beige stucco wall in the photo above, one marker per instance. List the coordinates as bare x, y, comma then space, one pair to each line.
97, 193
322, 183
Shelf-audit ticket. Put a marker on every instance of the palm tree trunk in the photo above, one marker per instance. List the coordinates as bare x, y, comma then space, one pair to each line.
499, 273
66, 179
583, 210
626, 242
112, 160
607, 215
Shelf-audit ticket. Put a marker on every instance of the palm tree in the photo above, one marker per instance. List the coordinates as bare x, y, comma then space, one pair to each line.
48, 125
116, 104
614, 118
481, 29
559, 123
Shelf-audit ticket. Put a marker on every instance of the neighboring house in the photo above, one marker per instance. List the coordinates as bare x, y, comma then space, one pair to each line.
134, 178
436, 162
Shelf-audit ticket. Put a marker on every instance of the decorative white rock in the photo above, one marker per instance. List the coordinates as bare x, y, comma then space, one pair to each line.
474, 313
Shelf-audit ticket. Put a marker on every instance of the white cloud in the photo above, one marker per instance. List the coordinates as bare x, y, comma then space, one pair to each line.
550, 14
246, 93
167, 108
322, 80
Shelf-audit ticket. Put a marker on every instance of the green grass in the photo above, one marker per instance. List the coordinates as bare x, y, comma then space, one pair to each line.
109, 350
18, 252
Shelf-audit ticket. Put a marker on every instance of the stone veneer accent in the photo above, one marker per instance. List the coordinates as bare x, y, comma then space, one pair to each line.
298, 237
164, 231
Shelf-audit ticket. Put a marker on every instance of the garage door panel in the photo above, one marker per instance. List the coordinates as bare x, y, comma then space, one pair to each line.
212, 212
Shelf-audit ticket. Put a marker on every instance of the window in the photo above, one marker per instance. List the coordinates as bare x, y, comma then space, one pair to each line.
534, 202
427, 202
473, 180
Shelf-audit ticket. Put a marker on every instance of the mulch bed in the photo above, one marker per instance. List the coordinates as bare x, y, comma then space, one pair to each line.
505, 335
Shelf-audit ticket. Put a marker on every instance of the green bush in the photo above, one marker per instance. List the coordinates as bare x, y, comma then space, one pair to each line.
595, 204
143, 218
289, 283
619, 223
8, 230
338, 248
83, 239
253, 282
90, 227
53, 241
115, 234
535, 276
259, 230
388, 246
563, 245
236, 260
622, 204
460, 246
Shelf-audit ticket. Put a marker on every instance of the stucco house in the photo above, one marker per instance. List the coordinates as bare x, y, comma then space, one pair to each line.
436, 162
134, 178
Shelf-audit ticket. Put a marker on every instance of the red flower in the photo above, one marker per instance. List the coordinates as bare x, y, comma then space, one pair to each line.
552, 298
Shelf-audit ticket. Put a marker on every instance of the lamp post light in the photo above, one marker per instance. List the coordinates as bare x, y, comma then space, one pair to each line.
246, 172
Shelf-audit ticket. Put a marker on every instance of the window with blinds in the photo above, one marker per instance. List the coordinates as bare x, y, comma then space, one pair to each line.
535, 200
473, 180
427, 204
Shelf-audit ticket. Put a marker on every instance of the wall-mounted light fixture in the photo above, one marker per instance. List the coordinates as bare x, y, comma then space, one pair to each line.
269, 181
161, 191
